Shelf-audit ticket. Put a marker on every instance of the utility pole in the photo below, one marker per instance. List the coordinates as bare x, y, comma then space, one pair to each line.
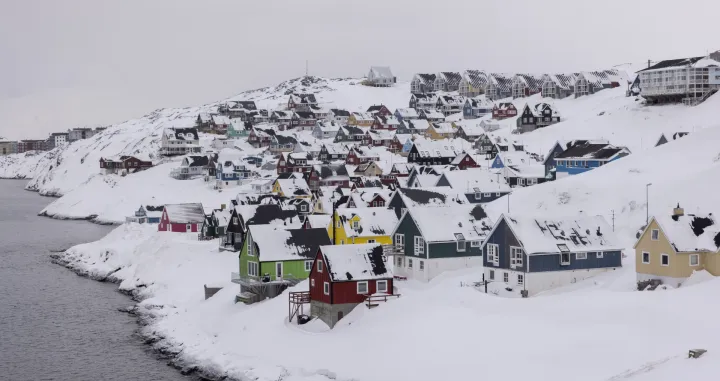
306, 68
508, 196
334, 223
647, 203
613, 219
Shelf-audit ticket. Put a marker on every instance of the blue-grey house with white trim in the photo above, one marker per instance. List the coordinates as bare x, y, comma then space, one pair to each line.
532, 255
584, 155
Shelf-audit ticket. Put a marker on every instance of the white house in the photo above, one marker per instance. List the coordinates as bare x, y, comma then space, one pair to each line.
325, 129
380, 76
180, 141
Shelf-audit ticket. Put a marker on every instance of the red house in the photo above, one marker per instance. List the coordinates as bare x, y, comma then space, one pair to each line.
379, 110
358, 155
344, 276
182, 218
464, 161
504, 110
124, 164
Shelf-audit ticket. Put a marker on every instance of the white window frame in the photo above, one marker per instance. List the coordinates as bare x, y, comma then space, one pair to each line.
599, 255
478, 196
409, 263
312, 282
663, 255
419, 248
308, 266
516, 256
319, 266
642, 258
493, 255
655, 234
491, 274
384, 283
520, 279
367, 287
476, 243
690, 260
487, 194
326, 288
355, 224
506, 277
580, 255
569, 257
399, 241
463, 248
253, 268
188, 227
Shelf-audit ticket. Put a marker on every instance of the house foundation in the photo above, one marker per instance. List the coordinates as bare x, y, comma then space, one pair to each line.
330, 313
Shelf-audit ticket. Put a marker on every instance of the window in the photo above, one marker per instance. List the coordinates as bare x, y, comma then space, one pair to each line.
521, 181
486, 194
419, 245
250, 247
326, 288
475, 243
234, 218
565, 258
422, 265
381, 286
188, 227
694, 259
303, 208
409, 263
664, 260
521, 279
371, 241
312, 282
655, 234
581, 256
516, 256
399, 241
362, 288
355, 224
337, 224
599, 254
399, 261
252, 268
319, 266
478, 196
492, 254
460, 245
506, 277
645, 257
491, 274
308, 265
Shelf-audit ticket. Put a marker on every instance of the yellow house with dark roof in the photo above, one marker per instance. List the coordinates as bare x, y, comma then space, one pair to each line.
362, 225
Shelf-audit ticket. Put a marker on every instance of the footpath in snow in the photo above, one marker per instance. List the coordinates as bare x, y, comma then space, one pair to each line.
599, 329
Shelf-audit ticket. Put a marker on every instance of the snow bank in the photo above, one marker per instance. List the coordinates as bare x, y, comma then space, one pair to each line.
436, 331
24, 165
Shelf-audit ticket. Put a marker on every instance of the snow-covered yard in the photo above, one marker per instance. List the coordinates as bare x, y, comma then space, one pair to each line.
594, 330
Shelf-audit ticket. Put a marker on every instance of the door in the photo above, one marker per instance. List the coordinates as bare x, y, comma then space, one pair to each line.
278, 270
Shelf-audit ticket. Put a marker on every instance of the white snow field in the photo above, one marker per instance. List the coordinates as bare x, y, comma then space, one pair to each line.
599, 329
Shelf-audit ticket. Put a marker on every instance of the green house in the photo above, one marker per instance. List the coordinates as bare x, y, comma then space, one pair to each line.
236, 129
274, 257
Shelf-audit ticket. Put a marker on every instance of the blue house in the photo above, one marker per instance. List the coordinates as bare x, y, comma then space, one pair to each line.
549, 161
585, 155
230, 172
530, 255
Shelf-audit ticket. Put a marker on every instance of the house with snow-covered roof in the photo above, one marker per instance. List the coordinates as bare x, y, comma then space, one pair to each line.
441, 130
424, 101
585, 155
380, 76
431, 115
534, 254
433, 152
674, 245
361, 119
477, 184
469, 130
369, 198
525, 85
293, 187
190, 167
339, 116
404, 198
499, 86
179, 141
537, 116
402, 114
422, 83
447, 81
690, 80
385, 122
182, 218
301, 102
504, 110
269, 209
346, 276
362, 225
332, 152
558, 86
380, 109
274, 255
416, 126
450, 104
325, 175
353, 134
477, 107
590, 82
473, 83
428, 241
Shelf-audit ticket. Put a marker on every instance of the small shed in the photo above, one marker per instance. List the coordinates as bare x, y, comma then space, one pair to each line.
182, 218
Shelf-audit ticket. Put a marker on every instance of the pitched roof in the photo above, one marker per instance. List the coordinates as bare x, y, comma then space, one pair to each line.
294, 187
451, 78
185, 213
476, 78
501, 81
331, 170
672, 63
432, 196
564, 81
436, 148
339, 112
473, 180
196, 161
381, 72
182, 133
278, 243
539, 235
356, 262
407, 112
266, 214
532, 81
443, 224
303, 98
373, 221
588, 149
691, 232
426, 79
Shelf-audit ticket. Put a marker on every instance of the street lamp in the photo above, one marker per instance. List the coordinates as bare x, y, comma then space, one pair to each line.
647, 203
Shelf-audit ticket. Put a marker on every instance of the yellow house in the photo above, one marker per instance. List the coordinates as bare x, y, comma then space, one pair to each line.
672, 247
361, 119
294, 187
440, 131
362, 225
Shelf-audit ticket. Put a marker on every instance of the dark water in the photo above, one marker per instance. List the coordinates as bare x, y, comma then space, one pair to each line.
55, 325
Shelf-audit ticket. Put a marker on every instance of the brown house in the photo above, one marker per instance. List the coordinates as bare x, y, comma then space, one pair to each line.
673, 246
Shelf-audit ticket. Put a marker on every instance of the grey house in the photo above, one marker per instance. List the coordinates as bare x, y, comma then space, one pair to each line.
531, 255
431, 240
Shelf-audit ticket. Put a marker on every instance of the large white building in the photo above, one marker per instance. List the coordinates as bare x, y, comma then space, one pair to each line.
180, 141
690, 80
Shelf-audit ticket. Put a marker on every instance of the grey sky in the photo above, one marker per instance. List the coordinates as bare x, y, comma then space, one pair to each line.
74, 62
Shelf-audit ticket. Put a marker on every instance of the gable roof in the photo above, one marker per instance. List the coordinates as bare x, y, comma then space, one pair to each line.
689, 233
672, 63
476, 78
294, 186
563, 81
473, 180
588, 149
381, 72
303, 98
266, 214
532, 81
356, 262
407, 112
278, 243
426, 79
339, 112
433, 196
501, 81
185, 213
196, 161
538, 235
182, 133
373, 221
451, 78
452, 223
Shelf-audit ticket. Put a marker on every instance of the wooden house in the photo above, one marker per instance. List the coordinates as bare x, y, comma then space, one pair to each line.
332, 152
499, 86
404, 198
478, 185
362, 225
274, 257
216, 223
673, 246
558, 86
291, 162
504, 110
258, 137
441, 130
485, 146
361, 155
325, 129
464, 161
590, 82
417, 127
182, 218
402, 114
584, 155
385, 122
450, 104
380, 76
343, 277
301, 102
468, 130
397, 171
380, 109
179, 141
352, 134
427, 101
339, 116
143, 216
422, 83
525, 85
124, 165
361, 119
447, 81
369, 169
381, 138
293, 187
473, 83
432, 152
530, 255
335, 175
431, 240
478, 107
369, 198
537, 116
306, 120
272, 210
431, 115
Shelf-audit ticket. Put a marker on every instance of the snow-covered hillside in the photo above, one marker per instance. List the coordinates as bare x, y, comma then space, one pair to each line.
25, 165
594, 330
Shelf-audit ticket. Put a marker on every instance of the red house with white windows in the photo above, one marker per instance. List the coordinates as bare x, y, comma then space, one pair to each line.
182, 218
504, 110
344, 276
464, 161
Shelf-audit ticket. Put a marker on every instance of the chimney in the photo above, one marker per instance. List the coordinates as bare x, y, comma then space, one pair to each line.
678, 211
222, 206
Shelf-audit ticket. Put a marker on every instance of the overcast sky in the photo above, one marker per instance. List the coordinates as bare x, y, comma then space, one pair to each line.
75, 62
